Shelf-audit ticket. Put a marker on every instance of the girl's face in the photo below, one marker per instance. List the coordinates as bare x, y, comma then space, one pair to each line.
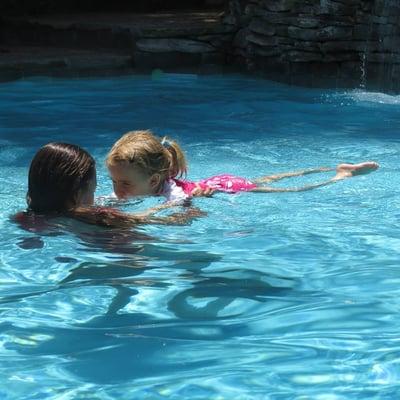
129, 181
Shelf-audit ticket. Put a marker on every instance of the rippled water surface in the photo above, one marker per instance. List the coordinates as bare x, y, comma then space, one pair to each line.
270, 296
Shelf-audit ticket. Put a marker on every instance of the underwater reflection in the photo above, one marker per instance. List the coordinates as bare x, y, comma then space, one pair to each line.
192, 302
128, 343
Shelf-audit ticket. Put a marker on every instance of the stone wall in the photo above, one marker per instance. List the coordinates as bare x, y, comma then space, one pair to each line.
101, 43
319, 42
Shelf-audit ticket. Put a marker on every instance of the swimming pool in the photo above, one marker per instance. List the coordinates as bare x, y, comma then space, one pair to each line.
271, 296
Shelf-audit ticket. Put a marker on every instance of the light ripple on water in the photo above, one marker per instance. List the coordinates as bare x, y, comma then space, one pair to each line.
270, 296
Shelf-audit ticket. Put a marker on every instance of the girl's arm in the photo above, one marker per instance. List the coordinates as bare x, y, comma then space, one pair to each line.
198, 191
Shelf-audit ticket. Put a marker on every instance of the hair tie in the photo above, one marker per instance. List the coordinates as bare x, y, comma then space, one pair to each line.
166, 143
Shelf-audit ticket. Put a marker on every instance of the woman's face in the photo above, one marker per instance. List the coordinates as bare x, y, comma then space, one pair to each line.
86, 195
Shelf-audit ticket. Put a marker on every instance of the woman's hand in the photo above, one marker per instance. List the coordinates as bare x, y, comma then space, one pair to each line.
185, 217
177, 218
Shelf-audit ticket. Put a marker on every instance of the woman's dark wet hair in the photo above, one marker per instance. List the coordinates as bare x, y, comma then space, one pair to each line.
56, 175
58, 172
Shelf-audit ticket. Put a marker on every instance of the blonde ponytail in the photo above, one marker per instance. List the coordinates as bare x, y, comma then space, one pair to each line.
177, 159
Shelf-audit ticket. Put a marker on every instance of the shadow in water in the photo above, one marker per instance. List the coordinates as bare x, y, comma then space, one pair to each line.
224, 291
119, 346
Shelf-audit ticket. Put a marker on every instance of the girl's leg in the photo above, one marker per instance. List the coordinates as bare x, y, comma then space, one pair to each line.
343, 171
277, 177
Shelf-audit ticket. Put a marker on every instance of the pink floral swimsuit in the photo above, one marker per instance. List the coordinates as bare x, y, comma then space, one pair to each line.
176, 189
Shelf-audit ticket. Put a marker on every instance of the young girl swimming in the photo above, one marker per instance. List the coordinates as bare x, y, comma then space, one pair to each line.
142, 164
62, 182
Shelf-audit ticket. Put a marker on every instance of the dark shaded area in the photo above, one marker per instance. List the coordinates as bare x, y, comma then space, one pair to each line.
331, 43
34, 7
65, 260
31, 243
107, 43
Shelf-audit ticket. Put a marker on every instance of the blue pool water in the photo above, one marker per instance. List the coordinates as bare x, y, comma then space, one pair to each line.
271, 296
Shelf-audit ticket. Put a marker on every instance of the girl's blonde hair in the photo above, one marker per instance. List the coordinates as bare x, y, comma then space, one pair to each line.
150, 153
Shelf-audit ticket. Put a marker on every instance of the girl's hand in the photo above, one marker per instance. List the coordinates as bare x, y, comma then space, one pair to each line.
199, 192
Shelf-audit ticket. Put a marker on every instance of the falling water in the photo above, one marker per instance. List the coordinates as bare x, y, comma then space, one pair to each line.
365, 54
363, 65
377, 60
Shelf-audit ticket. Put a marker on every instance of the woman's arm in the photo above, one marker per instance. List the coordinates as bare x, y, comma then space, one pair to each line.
110, 217
155, 210
178, 218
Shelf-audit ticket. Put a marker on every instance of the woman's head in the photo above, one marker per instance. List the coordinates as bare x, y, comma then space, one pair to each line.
139, 163
61, 177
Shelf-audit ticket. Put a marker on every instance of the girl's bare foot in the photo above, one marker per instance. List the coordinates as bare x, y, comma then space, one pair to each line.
348, 170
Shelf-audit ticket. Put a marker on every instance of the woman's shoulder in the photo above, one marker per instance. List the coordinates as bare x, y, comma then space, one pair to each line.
33, 222
102, 216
